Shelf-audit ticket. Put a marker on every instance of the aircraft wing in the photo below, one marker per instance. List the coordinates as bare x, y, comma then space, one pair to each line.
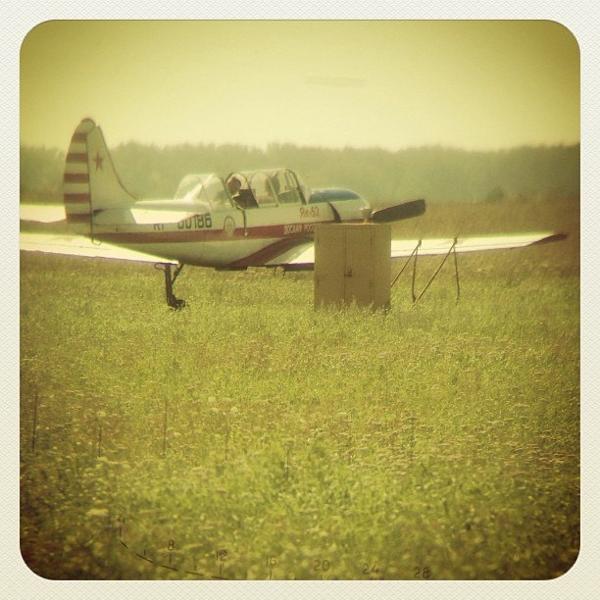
431, 247
42, 213
81, 246
303, 256
298, 258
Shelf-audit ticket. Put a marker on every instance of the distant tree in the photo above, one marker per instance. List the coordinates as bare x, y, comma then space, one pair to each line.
41, 171
437, 174
495, 195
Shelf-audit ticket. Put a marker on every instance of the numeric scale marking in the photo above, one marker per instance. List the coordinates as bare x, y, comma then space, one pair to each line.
320, 565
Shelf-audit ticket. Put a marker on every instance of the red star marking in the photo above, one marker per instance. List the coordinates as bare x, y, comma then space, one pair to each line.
98, 160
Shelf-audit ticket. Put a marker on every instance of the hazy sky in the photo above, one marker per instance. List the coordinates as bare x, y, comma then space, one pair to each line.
473, 84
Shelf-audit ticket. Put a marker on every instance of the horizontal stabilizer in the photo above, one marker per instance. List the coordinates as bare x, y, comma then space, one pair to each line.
42, 213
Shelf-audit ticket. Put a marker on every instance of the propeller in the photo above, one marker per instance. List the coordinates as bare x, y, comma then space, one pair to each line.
406, 210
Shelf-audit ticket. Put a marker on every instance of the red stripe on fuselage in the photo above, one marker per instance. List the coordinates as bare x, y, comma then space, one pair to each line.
184, 235
268, 253
154, 236
164, 237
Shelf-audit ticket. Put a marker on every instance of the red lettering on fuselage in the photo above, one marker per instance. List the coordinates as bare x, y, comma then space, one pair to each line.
298, 228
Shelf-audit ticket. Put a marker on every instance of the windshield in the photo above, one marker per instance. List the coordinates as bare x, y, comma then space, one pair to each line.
203, 189
286, 186
268, 187
262, 189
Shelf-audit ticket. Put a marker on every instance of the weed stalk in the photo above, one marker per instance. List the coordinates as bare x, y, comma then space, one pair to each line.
99, 438
165, 424
34, 424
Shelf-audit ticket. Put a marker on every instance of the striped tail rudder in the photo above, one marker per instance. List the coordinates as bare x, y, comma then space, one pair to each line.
90, 182
76, 180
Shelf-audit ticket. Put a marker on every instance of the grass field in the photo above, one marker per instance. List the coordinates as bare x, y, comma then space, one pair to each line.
249, 436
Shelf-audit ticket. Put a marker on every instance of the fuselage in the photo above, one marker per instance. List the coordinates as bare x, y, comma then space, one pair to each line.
242, 220
224, 236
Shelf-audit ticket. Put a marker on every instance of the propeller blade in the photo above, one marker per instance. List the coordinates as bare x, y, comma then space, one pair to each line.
406, 210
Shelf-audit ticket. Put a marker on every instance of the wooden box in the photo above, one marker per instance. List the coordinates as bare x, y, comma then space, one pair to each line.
352, 264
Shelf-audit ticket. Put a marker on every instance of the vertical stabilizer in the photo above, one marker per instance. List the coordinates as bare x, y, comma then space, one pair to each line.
90, 182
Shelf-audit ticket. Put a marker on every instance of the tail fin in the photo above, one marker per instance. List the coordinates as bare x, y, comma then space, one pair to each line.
90, 181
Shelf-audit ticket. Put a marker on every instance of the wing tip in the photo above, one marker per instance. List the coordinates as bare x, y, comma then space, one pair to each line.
552, 237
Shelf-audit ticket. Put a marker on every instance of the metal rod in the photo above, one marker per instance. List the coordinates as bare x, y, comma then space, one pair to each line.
405, 264
456, 270
436, 271
414, 273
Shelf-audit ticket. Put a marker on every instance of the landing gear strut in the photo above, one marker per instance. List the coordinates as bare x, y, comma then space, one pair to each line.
174, 302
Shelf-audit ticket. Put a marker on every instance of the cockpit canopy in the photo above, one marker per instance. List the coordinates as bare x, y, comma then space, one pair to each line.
203, 188
267, 187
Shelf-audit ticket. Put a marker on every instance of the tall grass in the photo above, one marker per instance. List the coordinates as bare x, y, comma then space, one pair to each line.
432, 442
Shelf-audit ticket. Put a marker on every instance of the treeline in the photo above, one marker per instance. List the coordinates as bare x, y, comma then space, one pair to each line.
435, 173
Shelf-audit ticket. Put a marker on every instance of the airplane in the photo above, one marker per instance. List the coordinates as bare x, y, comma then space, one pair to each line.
251, 218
